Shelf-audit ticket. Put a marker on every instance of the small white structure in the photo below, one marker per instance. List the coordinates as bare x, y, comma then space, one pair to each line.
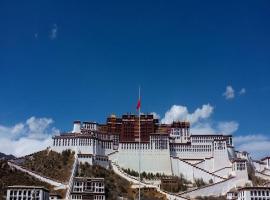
76, 127
88, 188
21, 192
231, 195
92, 126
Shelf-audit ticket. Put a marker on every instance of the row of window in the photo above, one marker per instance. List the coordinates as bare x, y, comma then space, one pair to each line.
239, 166
23, 192
23, 198
191, 150
205, 139
252, 198
159, 145
80, 142
259, 193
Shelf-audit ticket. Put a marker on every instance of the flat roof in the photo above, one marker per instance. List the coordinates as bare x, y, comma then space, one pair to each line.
212, 135
27, 187
255, 187
239, 160
89, 178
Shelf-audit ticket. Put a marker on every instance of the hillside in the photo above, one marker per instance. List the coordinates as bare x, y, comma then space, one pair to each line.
11, 176
115, 185
51, 164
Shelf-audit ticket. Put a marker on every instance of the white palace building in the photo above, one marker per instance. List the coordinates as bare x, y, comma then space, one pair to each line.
165, 149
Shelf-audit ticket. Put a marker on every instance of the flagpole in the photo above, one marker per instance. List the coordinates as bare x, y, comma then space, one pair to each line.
139, 144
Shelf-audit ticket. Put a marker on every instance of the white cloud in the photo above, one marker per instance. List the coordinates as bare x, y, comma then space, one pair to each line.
228, 127
156, 116
242, 91
229, 93
54, 32
23, 146
203, 129
27, 137
257, 145
181, 113
200, 120
225, 127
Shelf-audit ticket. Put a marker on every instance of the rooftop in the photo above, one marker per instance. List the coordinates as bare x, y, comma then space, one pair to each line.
27, 187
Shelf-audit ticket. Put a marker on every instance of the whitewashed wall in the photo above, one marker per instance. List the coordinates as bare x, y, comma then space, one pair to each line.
207, 164
221, 157
216, 189
191, 172
225, 172
152, 160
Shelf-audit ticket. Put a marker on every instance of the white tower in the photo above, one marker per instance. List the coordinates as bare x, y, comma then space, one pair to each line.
76, 127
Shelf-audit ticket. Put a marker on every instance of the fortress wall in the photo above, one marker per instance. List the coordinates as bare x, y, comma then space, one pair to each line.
225, 172
221, 156
216, 189
259, 167
191, 172
152, 160
187, 151
191, 154
207, 164
193, 161
90, 146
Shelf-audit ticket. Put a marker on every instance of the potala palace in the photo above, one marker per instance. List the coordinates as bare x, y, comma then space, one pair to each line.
169, 149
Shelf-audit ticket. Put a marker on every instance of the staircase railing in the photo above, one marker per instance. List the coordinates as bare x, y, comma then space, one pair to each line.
73, 172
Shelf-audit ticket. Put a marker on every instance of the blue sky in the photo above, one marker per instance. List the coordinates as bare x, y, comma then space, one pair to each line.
84, 60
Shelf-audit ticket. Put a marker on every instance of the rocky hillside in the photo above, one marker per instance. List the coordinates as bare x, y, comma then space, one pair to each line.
11, 176
51, 164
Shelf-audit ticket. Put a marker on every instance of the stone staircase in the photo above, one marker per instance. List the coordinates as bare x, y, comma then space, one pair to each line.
135, 183
73, 172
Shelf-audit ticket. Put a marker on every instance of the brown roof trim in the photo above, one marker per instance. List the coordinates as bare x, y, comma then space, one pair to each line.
255, 187
213, 135
129, 142
27, 186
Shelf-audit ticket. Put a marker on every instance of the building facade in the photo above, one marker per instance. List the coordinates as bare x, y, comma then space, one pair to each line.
18, 192
87, 188
250, 193
169, 149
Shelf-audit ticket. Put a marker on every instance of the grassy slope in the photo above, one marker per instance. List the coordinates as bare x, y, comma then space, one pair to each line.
14, 177
115, 185
51, 164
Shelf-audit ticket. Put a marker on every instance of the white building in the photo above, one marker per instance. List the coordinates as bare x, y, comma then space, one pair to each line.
88, 188
250, 193
19, 192
231, 195
171, 152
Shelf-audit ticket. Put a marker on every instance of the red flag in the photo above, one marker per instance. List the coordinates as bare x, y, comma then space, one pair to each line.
138, 104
